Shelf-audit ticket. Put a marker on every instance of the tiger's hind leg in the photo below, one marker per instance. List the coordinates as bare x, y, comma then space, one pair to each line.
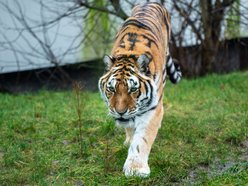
147, 127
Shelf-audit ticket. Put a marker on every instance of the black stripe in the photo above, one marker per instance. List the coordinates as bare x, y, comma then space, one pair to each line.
152, 108
117, 70
172, 79
132, 72
164, 81
127, 74
137, 148
127, 58
120, 64
176, 72
121, 31
122, 44
146, 87
139, 93
140, 114
164, 70
160, 98
152, 24
150, 41
132, 38
136, 23
151, 97
143, 99
144, 139
151, 36
158, 8
164, 74
139, 14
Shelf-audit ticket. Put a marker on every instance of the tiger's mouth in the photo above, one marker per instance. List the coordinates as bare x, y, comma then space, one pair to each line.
121, 119
124, 121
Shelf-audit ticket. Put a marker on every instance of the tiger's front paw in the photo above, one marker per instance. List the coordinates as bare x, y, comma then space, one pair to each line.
136, 167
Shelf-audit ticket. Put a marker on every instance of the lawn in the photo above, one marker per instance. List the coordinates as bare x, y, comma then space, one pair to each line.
203, 139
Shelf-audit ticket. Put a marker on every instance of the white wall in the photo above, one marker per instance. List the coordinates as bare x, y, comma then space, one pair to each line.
61, 36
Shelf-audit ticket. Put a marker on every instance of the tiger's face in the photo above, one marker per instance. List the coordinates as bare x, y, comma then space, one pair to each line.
126, 89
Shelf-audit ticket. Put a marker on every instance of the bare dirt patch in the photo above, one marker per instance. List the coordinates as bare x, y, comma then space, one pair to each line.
218, 166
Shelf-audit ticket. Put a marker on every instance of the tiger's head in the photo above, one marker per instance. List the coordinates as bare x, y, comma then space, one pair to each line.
127, 87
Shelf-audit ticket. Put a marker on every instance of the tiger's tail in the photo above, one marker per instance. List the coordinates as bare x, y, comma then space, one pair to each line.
173, 70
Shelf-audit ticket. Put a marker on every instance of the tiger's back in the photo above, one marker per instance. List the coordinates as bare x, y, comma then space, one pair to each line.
146, 31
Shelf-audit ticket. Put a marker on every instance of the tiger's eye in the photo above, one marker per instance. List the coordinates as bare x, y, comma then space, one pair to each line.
111, 89
133, 89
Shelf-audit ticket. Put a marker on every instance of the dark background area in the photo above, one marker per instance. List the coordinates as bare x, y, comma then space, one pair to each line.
232, 56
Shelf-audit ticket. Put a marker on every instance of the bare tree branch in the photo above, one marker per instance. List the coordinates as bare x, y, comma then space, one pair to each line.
186, 15
118, 11
116, 4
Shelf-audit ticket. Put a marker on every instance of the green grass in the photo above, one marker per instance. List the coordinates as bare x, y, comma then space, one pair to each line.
203, 139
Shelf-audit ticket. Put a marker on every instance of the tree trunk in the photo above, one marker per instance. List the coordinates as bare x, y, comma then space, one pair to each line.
208, 45
212, 16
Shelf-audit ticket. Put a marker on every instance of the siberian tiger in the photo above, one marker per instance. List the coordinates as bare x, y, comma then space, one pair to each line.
132, 85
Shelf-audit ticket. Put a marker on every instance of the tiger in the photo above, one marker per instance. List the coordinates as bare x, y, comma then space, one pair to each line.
134, 79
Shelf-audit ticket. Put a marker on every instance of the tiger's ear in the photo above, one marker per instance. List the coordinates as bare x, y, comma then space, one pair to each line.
143, 62
108, 61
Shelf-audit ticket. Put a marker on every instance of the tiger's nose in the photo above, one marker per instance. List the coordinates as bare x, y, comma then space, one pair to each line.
122, 111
